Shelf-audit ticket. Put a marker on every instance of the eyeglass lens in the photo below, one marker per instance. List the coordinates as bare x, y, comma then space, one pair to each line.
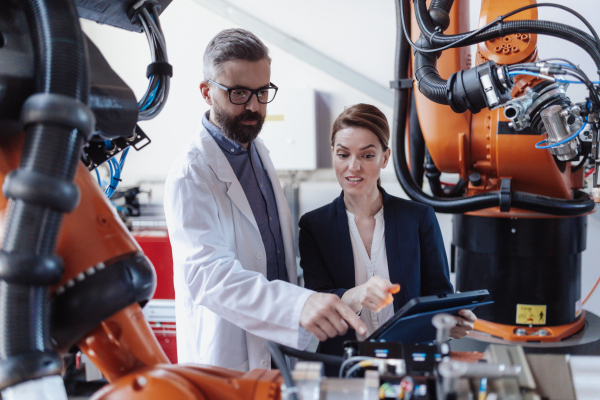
241, 96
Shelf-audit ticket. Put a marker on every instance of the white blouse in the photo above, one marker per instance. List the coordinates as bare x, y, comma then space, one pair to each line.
365, 268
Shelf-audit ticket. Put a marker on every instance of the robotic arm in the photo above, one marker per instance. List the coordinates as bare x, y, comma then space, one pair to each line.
519, 207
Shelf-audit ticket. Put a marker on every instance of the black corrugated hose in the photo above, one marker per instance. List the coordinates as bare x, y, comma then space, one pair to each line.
550, 28
429, 81
445, 5
581, 204
41, 190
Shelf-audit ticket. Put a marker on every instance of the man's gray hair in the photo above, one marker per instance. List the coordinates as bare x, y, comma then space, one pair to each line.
230, 45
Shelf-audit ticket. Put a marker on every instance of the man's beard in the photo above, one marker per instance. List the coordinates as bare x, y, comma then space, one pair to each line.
234, 129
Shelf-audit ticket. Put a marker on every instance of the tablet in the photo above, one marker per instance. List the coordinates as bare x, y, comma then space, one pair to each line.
412, 323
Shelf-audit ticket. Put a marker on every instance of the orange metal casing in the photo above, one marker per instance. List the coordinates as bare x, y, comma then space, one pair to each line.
122, 343
187, 382
463, 143
554, 333
91, 234
442, 128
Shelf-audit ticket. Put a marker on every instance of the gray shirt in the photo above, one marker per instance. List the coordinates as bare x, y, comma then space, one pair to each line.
248, 168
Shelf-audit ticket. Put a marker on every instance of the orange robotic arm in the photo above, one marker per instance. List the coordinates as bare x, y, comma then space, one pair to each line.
520, 147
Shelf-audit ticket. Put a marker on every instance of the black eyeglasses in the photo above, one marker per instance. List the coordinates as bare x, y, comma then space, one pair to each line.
242, 96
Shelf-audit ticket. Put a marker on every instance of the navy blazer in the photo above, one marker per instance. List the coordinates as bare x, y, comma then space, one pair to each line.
414, 247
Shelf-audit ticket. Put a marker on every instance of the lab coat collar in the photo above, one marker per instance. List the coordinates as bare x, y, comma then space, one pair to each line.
220, 165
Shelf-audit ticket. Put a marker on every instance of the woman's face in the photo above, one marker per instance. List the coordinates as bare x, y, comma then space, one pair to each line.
358, 158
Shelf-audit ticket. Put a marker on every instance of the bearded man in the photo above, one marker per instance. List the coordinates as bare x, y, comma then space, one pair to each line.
231, 230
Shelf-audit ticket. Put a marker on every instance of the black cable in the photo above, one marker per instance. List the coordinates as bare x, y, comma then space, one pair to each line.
279, 359
499, 20
159, 84
413, 45
308, 355
578, 166
569, 10
491, 31
572, 70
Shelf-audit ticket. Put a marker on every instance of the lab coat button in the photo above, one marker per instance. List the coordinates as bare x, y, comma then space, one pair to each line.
259, 255
263, 363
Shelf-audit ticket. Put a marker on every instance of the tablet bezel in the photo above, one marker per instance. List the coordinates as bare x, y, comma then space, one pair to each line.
437, 303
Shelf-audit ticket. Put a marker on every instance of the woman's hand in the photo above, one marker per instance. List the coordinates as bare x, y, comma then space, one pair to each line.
375, 294
465, 321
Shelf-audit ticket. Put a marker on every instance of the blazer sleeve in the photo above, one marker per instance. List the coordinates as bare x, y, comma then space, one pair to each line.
316, 274
435, 274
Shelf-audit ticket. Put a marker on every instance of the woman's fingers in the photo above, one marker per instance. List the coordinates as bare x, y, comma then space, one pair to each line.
468, 315
465, 322
395, 288
378, 293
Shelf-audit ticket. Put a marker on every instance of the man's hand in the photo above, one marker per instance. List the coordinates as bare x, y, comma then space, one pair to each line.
464, 323
375, 294
326, 316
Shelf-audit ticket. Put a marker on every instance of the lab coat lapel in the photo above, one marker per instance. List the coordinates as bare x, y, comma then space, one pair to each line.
220, 165
346, 256
283, 209
393, 238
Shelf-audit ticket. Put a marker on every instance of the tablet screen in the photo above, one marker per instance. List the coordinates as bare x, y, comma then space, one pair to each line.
413, 321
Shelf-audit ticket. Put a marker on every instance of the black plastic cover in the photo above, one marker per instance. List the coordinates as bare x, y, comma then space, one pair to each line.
113, 103
464, 89
521, 261
88, 302
113, 12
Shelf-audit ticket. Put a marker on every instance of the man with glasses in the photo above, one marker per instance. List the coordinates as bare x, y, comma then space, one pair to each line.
230, 226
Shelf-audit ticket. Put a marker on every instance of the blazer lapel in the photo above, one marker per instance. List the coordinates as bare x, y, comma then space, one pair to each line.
393, 236
345, 266
220, 165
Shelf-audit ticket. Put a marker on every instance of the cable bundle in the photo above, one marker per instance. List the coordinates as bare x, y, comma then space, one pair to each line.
116, 167
159, 71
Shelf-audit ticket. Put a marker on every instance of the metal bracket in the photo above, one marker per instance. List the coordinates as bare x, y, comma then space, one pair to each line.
505, 196
402, 84
95, 153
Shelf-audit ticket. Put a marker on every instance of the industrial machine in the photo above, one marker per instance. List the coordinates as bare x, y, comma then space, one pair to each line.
79, 280
521, 148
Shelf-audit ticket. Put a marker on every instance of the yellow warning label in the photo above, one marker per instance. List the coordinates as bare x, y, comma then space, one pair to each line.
530, 314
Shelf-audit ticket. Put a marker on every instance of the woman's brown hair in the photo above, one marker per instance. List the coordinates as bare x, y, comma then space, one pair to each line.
364, 116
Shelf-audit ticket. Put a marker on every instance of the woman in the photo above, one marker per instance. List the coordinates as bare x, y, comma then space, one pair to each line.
374, 250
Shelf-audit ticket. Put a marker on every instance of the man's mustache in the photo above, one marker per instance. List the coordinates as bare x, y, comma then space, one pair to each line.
250, 116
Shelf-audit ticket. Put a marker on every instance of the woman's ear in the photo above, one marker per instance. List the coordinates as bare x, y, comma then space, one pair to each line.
386, 158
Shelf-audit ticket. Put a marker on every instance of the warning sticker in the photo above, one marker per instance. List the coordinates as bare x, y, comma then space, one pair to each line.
530, 314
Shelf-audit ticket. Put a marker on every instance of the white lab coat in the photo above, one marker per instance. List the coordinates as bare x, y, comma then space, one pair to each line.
226, 309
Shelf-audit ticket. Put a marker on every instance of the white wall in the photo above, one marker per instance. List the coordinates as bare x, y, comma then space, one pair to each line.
359, 34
